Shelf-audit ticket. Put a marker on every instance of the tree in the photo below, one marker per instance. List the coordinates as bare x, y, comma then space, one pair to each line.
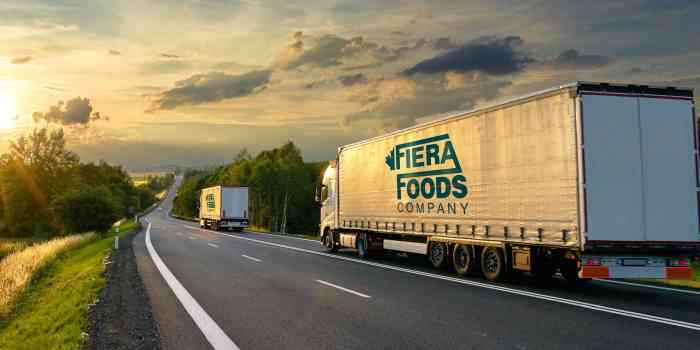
87, 209
35, 169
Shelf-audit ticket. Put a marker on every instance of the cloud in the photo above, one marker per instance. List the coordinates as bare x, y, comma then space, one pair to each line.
292, 51
427, 98
21, 60
114, 52
352, 79
572, 59
165, 67
76, 111
168, 55
330, 50
444, 43
494, 56
211, 87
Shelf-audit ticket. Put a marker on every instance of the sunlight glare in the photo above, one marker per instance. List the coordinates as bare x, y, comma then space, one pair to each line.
8, 112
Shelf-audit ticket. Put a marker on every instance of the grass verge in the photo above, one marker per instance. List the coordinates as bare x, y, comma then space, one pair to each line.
52, 313
9, 246
17, 269
694, 283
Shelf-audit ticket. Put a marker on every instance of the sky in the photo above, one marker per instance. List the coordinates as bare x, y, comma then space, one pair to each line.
157, 83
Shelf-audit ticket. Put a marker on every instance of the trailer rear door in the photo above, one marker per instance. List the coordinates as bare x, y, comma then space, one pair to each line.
613, 168
639, 169
670, 209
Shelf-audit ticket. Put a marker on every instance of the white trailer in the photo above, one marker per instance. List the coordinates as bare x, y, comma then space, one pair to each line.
223, 208
594, 180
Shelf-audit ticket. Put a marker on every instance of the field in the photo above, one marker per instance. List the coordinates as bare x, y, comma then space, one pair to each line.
52, 314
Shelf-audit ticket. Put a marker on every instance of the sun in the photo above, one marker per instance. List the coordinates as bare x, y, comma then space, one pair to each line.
8, 110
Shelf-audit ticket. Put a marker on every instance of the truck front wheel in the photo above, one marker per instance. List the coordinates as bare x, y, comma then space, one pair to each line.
437, 253
329, 242
462, 259
493, 264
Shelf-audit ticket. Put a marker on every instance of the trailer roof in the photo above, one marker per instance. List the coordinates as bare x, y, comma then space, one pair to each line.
580, 86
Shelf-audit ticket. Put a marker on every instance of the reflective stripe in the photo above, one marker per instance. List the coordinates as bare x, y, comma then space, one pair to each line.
679, 273
594, 272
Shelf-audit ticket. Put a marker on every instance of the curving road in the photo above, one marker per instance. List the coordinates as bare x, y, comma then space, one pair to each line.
258, 291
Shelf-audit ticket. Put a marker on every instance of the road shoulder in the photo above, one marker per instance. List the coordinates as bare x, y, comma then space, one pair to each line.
122, 318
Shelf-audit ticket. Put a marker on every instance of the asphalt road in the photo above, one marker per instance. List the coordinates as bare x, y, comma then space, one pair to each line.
258, 291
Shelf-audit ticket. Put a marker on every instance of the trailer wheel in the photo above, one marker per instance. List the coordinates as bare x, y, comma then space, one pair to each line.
493, 264
329, 242
361, 243
462, 259
438, 255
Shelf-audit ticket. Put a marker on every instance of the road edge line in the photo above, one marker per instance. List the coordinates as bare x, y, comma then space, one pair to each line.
212, 332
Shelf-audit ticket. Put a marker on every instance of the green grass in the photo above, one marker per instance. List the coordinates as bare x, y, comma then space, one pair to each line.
52, 314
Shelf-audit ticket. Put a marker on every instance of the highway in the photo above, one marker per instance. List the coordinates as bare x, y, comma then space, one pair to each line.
215, 290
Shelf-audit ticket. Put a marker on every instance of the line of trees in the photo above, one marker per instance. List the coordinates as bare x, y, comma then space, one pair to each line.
45, 190
281, 188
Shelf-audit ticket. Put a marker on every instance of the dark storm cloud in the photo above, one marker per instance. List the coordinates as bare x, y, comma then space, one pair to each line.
572, 59
75, 111
114, 52
352, 79
211, 87
494, 56
21, 60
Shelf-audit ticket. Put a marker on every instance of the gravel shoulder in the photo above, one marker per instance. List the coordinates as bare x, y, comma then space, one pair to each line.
122, 317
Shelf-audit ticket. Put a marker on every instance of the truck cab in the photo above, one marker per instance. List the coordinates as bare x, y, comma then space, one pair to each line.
326, 196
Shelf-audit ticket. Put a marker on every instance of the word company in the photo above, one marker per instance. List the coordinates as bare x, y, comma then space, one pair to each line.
429, 173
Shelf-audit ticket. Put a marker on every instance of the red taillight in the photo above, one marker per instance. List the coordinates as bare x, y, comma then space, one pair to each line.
678, 262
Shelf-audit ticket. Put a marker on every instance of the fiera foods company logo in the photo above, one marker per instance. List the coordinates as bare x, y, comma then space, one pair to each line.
211, 204
427, 169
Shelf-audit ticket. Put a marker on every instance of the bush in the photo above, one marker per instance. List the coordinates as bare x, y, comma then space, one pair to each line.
87, 209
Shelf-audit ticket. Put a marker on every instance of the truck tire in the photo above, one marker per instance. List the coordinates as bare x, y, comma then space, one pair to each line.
329, 242
462, 259
438, 254
361, 243
493, 263
569, 271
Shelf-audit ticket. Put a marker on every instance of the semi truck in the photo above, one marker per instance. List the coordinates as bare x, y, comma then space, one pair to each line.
588, 180
223, 208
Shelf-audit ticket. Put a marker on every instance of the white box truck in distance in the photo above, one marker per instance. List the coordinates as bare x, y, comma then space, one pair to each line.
223, 208
593, 180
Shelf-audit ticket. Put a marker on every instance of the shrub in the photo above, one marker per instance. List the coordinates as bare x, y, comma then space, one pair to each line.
87, 209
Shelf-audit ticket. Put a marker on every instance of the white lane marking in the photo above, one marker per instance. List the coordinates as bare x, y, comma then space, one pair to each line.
213, 245
649, 286
572, 302
343, 289
214, 334
267, 233
251, 258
